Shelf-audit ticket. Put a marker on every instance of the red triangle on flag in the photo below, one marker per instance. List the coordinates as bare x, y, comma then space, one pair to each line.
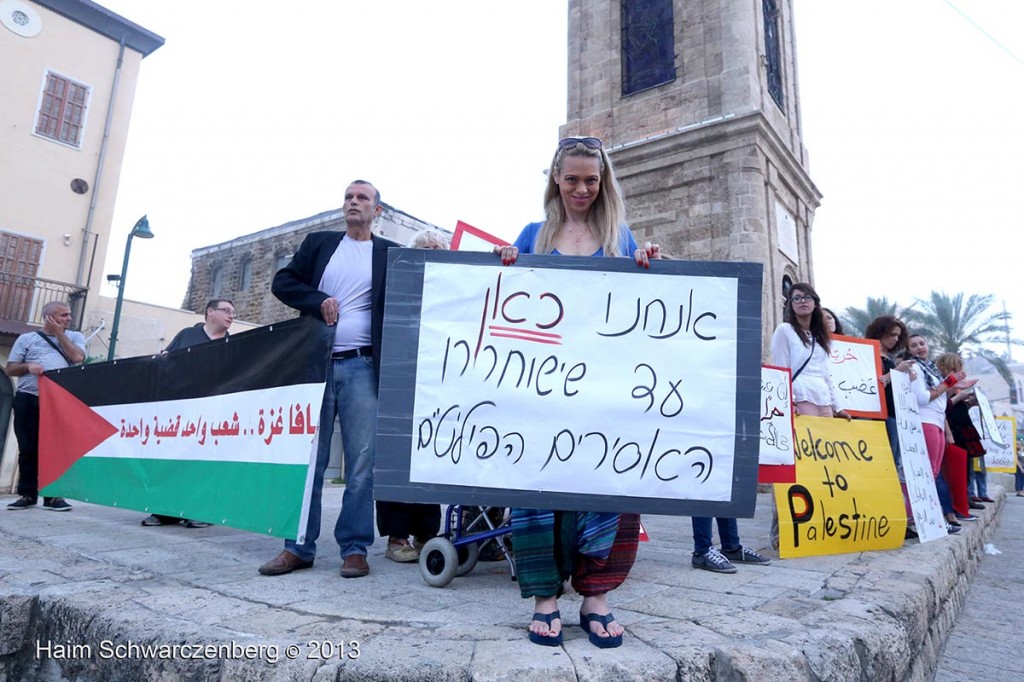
68, 429
644, 537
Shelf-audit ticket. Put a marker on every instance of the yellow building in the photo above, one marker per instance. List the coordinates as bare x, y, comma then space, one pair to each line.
68, 81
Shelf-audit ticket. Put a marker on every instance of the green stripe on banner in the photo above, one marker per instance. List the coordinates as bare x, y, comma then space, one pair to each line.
263, 498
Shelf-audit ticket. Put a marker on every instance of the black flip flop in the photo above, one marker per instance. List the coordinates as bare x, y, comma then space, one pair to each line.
546, 640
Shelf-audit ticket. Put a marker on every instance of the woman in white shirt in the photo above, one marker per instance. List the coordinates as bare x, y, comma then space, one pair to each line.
930, 388
801, 343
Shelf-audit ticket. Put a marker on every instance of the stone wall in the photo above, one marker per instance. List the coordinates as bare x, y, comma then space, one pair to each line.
265, 251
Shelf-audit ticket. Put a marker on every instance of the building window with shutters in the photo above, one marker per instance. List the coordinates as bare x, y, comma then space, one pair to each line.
63, 104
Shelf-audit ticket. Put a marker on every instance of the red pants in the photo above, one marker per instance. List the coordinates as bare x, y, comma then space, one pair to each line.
954, 470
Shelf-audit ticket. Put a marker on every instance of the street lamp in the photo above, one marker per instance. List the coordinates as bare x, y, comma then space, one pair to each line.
142, 231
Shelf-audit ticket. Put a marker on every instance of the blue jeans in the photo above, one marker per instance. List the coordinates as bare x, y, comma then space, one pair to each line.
728, 533
1018, 480
977, 479
351, 395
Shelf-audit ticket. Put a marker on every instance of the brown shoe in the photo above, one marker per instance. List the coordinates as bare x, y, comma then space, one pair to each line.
355, 566
285, 562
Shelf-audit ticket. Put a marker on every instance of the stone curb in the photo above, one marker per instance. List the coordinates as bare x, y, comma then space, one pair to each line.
870, 616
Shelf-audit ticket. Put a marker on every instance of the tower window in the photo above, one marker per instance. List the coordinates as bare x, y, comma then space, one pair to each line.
772, 52
648, 44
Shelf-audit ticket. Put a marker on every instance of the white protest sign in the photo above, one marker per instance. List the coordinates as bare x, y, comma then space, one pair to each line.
1002, 457
526, 380
776, 417
986, 424
854, 366
917, 469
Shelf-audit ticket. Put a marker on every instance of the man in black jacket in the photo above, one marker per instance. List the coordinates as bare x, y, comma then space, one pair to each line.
339, 278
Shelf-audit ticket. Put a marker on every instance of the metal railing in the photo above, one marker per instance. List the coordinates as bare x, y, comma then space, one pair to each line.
22, 298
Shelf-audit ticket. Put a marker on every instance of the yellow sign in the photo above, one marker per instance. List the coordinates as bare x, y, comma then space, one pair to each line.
846, 497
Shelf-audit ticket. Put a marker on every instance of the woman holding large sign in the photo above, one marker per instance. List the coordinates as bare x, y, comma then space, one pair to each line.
584, 216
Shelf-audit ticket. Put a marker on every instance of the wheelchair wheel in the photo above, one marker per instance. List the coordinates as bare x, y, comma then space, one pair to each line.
468, 556
439, 561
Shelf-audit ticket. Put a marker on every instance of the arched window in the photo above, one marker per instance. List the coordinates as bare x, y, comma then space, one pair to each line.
787, 286
245, 274
281, 260
217, 281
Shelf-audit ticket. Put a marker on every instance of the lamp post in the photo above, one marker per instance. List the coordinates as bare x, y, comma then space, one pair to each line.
142, 231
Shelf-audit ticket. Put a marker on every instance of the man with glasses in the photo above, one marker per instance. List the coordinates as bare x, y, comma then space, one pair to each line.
338, 277
220, 313
52, 347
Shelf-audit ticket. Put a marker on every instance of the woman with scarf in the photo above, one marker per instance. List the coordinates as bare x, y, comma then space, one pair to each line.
931, 389
585, 216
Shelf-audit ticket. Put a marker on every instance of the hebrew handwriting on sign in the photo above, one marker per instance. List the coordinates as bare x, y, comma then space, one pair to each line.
854, 367
776, 416
529, 381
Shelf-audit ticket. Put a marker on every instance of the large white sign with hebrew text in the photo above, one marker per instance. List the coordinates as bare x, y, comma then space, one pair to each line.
636, 390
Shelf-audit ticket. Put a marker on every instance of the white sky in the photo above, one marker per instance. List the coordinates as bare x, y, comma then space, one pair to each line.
257, 113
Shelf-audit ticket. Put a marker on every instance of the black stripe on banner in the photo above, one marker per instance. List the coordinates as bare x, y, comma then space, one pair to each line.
281, 354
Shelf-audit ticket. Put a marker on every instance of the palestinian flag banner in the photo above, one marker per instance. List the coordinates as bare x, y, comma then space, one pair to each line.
223, 432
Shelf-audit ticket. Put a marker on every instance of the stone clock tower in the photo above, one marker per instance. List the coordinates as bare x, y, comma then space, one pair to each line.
697, 101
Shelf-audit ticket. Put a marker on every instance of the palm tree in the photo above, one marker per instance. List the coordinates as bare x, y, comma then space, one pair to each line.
953, 325
856, 320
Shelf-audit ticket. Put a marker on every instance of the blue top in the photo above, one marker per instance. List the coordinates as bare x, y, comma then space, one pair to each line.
528, 237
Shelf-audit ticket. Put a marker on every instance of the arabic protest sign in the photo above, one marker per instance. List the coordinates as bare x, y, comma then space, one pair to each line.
984, 420
846, 497
223, 432
854, 366
776, 453
469, 238
570, 383
917, 469
1002, 457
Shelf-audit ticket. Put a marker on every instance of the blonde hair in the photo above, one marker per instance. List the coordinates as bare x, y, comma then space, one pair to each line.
949, 363
607, 215
428, 239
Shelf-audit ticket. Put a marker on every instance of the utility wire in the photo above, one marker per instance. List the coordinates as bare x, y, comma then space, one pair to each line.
985, 33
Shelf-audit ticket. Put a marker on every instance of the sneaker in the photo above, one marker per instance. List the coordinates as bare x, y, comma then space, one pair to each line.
403, 554
713, 561
966, 517
952, 530
745, 555
56, 504
23, 502
975, 505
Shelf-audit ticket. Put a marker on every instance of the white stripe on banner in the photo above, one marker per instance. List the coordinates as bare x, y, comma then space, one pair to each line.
268, 426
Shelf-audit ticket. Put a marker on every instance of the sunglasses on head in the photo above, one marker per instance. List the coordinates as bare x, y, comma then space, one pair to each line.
588, 142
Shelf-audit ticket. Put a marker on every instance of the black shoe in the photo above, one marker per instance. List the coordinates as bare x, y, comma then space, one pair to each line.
23, 502
56, 504
975, 505
911, 533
